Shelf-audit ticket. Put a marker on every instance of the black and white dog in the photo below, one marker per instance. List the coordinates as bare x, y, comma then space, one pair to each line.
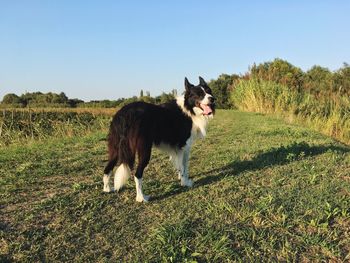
172, 127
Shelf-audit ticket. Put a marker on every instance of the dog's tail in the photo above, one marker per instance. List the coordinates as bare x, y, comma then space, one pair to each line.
122, 175
120, 152
126, 160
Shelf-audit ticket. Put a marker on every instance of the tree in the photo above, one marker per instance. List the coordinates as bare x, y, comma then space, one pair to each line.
63, 98
73, 103
280, 71
318, 80
30, 97
174, 93
165, 97
11, 98
220, 89
341, 80
128, 100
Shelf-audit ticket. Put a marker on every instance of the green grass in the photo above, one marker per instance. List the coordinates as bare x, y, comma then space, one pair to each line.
264, 191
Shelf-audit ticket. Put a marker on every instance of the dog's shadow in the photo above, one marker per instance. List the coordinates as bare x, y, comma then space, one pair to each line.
274, 156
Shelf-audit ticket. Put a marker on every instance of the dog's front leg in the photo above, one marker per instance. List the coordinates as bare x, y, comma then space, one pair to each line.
180, 159
177, 158
185, 181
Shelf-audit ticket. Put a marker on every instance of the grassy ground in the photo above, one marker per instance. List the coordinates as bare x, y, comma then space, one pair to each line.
264, 191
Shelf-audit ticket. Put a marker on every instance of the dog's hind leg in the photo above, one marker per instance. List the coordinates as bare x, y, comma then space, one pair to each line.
144, 155
106, 183
107, 175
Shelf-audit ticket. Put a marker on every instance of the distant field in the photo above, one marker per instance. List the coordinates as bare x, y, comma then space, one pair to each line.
29, 125
264, 191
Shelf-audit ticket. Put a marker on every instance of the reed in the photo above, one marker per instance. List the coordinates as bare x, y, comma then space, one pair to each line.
329, 115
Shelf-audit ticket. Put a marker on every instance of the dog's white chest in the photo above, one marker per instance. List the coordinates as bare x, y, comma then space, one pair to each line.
199, 128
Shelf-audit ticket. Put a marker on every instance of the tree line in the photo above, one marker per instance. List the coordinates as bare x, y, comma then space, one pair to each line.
50, 99
318, 81
39, 99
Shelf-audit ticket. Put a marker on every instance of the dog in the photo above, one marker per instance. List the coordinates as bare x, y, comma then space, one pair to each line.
171, 127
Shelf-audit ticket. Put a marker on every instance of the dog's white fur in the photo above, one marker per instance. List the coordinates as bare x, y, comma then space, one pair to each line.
140, 197
200, 121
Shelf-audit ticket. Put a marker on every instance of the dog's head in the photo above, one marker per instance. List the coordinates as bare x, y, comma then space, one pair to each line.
199, 99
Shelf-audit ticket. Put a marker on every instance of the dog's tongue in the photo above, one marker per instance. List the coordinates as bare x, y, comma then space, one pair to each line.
206, 109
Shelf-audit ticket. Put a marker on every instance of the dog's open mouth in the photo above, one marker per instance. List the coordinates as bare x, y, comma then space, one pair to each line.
207, 110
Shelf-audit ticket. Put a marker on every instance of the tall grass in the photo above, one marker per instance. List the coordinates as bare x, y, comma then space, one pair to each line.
330, 116
25, 125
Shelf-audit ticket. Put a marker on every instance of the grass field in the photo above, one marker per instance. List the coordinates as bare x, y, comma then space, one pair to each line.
264, 191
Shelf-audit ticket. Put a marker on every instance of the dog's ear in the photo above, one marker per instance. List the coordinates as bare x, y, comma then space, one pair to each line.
202, 82
188, 85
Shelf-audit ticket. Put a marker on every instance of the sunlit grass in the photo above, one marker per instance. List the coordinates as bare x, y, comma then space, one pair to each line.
264, 191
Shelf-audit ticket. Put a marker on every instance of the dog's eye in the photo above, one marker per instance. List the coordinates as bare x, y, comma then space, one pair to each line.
208, 90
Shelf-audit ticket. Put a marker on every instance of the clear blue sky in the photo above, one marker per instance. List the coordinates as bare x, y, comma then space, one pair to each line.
112, 49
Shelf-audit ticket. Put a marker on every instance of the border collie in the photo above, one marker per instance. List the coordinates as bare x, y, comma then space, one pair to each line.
171, 126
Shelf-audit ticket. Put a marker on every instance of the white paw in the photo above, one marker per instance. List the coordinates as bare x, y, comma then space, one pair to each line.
108, 189
187, 182
142, 198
